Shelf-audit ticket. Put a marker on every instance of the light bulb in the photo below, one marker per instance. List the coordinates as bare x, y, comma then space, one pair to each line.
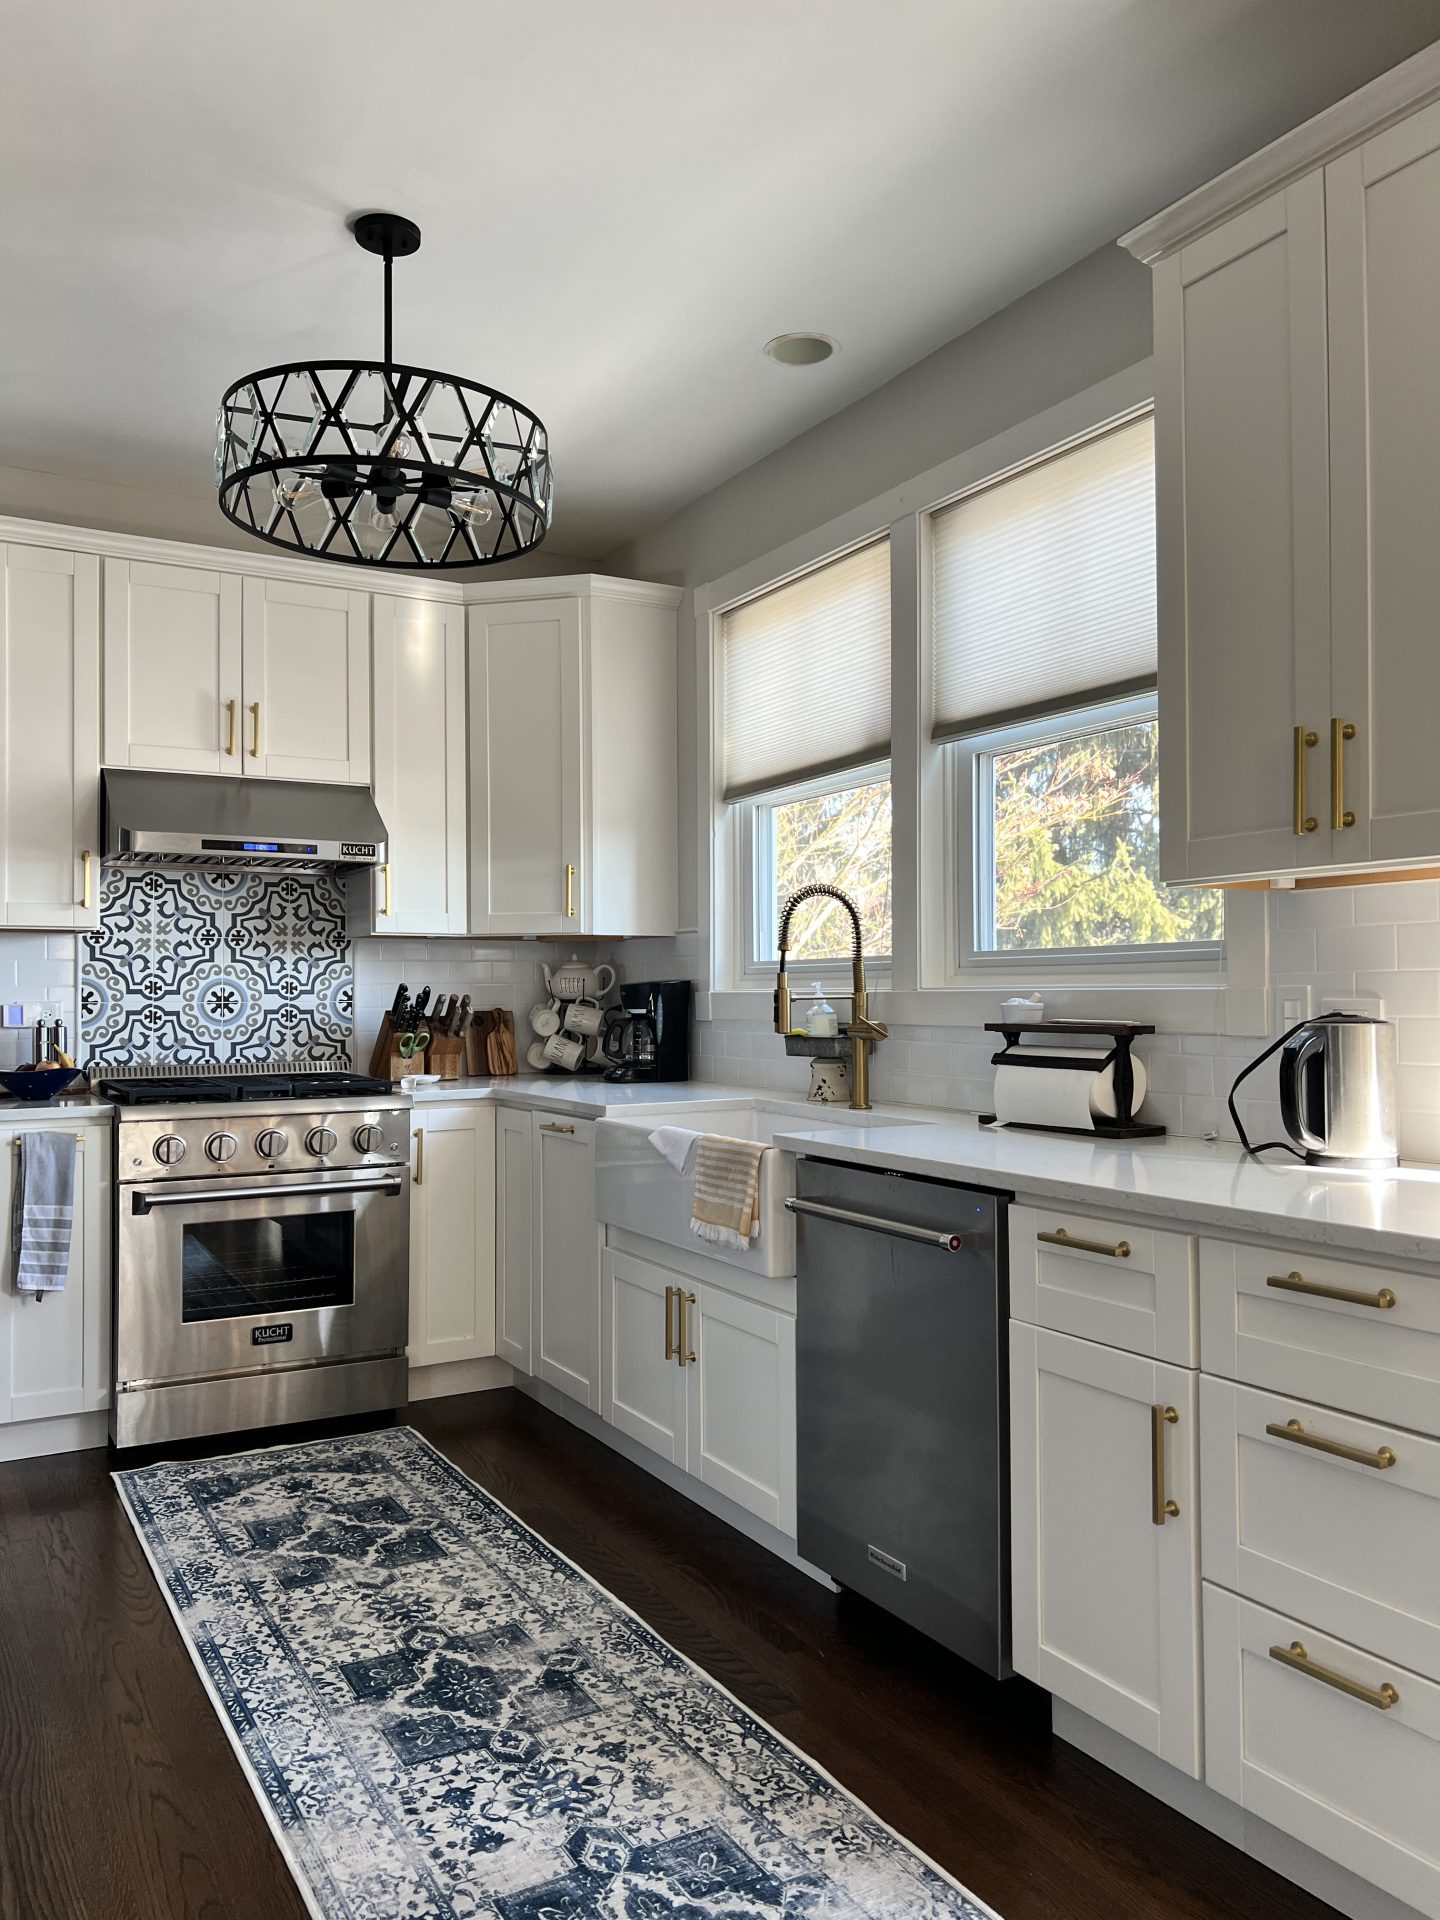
476, 508
382, 521
295, 490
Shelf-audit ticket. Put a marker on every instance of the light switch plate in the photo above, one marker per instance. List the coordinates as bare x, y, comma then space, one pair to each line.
14, 1014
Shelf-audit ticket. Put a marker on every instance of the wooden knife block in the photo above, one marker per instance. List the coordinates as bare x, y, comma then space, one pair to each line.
446, 1056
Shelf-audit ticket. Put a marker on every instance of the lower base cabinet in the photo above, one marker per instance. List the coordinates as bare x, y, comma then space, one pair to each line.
705, 1378
1355, 1775
565, 1258
452, 1233
1106, 1581
55, 1348
514, 1183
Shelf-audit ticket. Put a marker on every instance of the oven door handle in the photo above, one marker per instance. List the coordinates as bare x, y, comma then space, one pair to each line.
143, 1202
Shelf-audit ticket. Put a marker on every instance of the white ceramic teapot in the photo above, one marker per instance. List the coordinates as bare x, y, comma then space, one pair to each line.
574, 981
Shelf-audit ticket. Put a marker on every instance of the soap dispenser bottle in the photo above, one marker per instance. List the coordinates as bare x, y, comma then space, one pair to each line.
821, 1022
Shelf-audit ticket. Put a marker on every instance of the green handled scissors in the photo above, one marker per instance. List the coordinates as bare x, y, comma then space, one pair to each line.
413, 1043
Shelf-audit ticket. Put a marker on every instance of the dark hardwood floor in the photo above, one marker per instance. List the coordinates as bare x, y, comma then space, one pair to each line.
120, 1798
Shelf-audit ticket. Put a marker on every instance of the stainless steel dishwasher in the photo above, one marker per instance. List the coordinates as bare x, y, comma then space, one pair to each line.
903, 1468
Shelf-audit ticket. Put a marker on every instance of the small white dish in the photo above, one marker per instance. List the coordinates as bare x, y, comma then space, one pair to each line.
410, 1081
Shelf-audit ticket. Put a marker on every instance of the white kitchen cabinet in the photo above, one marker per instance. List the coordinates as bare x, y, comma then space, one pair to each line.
452, 1233
573, 759
1243, 543
741, 1409
704, 1377
306, 675
49, 738
643, 1384
1297, 489
1383, 229
1105, 1601
565, 1258
206, 672
419, 703
172, 668
55, 1350
1356, 1779
514, 1190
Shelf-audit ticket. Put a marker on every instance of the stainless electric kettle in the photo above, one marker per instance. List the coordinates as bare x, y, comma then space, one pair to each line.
1337, 1092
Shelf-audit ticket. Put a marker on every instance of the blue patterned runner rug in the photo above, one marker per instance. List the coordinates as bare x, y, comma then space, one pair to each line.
442, 1717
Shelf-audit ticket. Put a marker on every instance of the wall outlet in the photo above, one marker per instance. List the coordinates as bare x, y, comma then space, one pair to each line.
1294, 1007
1371, 1003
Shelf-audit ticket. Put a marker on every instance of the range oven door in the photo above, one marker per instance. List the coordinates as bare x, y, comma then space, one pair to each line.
216, 1278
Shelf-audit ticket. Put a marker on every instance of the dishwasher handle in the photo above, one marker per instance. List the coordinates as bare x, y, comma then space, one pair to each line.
872, 1223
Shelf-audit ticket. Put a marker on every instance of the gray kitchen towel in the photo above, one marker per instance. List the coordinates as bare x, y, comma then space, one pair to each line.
44, 1210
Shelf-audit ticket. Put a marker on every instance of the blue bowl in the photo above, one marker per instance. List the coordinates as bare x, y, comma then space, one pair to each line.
39, 1083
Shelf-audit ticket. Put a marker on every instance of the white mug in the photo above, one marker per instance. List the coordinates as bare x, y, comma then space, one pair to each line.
565, 1050
586, 1017
595, 1047
535, 1056
545, 1019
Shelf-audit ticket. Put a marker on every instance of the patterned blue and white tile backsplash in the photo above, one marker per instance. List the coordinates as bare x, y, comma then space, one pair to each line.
208, 967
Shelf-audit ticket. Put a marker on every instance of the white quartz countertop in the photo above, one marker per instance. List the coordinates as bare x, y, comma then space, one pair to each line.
590, 1097
1393, 1215
77, 1106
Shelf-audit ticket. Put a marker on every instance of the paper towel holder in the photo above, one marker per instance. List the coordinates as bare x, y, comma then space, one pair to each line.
1122, 1032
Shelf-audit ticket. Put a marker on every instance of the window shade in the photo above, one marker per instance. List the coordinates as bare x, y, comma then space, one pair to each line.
807, 675
1043, 586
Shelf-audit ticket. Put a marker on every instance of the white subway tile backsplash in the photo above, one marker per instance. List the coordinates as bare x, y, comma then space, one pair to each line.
1390, 906
1316, 907
1418, 943
1355, 949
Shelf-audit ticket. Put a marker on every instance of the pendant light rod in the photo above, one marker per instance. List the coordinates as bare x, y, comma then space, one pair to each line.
393, 237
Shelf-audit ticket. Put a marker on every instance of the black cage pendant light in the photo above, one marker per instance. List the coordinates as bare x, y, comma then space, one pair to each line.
382, 465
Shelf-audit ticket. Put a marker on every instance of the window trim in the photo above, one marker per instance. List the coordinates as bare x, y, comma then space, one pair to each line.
969, 873
755, 885
922, 989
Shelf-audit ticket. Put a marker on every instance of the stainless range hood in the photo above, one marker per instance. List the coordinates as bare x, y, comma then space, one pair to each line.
214, 820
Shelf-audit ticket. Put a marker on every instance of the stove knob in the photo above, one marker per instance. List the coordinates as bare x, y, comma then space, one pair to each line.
221, 1146
272, 1143
368, 1139
170, 1149
320, 1141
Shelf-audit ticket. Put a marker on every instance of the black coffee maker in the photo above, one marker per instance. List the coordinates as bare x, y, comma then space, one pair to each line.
649, 1038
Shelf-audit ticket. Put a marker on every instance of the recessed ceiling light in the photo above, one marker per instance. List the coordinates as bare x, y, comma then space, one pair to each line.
800, 349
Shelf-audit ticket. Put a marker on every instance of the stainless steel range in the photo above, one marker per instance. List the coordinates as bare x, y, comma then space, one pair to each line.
262, 1252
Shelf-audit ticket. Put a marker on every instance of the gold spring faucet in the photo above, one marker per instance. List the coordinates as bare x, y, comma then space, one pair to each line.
862, 1032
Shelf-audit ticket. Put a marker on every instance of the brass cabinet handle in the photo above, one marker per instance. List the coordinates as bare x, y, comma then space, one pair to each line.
1060, 1238
569, 893
1340, 816
385, 910
670, 1342
1304, 822
683, 1351
1384, 1696
1297, 1283
553, 1126
255, 743
1381, 1457
231, 708
419, 1174
85, 857
1161, 1508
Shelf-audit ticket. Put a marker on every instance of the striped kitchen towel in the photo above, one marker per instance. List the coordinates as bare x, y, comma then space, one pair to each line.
44, 1210
727, 1188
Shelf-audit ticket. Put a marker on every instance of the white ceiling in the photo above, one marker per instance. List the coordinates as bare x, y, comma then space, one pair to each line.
621, 202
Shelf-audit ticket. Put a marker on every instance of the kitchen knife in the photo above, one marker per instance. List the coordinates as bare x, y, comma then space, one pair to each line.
422, 1001
459, 1014
402, 994
440, 1018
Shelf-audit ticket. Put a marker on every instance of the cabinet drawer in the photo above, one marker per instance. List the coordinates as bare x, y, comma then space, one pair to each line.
1272, 1319
1357, 1782
1130, 1287
1353, 1540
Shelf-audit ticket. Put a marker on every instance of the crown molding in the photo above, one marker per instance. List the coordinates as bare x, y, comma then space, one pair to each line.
278, 566
1389, 97
593, 586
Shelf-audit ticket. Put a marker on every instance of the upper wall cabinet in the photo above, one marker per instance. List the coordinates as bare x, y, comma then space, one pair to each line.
49, 738
1298, 493
419, 769
209, 673
172, 668
573, 759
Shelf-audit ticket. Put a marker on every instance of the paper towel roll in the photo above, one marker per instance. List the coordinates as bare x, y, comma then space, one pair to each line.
1063, 1096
